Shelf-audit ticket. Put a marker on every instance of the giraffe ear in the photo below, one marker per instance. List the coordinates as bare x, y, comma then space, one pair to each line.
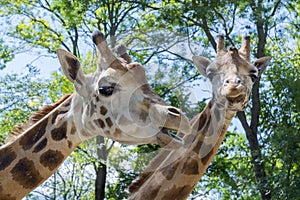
71, 68
261, 64
201, 63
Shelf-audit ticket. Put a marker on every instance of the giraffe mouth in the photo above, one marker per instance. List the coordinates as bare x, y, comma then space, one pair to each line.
166, 136
236, 99
171, 133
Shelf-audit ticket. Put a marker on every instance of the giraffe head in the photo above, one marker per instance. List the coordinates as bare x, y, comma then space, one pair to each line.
116, 100
231, 73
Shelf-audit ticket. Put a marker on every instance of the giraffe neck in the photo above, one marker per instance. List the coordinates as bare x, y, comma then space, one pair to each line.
173, 174
35, 155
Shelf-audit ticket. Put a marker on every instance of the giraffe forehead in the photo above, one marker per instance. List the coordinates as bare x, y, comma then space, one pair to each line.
107, 76
229, 64
121, 78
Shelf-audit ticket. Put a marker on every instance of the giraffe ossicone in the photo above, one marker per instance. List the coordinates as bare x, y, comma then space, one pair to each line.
115, 101
173, 174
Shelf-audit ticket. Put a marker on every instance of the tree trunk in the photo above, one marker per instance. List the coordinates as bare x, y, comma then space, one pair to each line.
100, 182
252, 129
263, 186
101, 170
257, 160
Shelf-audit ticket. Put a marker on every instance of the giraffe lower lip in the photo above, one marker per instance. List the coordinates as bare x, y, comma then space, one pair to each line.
237, 98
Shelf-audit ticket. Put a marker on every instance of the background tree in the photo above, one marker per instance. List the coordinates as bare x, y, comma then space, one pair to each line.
163, 35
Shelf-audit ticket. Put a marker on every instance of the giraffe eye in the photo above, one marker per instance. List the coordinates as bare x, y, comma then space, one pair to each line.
106, 90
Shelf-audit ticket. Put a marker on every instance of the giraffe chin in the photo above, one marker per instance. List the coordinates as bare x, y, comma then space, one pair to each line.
168, 140
238, 103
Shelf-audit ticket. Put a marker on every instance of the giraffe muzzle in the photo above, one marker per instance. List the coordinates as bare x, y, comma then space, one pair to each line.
167, 138
174, 121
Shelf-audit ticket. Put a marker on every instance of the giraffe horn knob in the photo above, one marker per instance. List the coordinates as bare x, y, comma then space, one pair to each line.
98, 37
233, 51
105, 55
245, 48
220, 43
122, 52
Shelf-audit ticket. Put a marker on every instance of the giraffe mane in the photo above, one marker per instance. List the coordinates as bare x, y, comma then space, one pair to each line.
38, 115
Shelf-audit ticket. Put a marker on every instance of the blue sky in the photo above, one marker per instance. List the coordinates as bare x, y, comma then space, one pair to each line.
47, 64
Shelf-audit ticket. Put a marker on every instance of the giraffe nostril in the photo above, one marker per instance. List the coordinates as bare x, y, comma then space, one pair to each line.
233, 81
174, 111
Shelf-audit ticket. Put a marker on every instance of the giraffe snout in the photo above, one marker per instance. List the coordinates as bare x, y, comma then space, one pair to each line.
177, 120
232, 80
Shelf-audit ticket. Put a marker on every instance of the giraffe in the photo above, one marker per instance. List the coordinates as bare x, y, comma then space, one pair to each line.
173, 174
115, 101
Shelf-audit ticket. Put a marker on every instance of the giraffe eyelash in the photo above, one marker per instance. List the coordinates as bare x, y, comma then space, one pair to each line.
107, 90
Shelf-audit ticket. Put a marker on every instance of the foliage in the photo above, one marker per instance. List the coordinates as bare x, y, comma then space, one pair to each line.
6, 54
162, 35
281, 122
20, 96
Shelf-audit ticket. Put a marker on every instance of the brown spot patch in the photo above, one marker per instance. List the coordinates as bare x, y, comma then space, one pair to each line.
207, 157
118, 132
34, 135
198, 146
109, 122
103, 110
51, 159
170, 170
217, 114
7, 155
124, 121
100, 122
202, 120
143, 115
73, 129
146, 107
190, 167
55, 114
60, 132
91, 109
26, 174
137, 183
151, 191
41, 145
178, 193
70, 144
